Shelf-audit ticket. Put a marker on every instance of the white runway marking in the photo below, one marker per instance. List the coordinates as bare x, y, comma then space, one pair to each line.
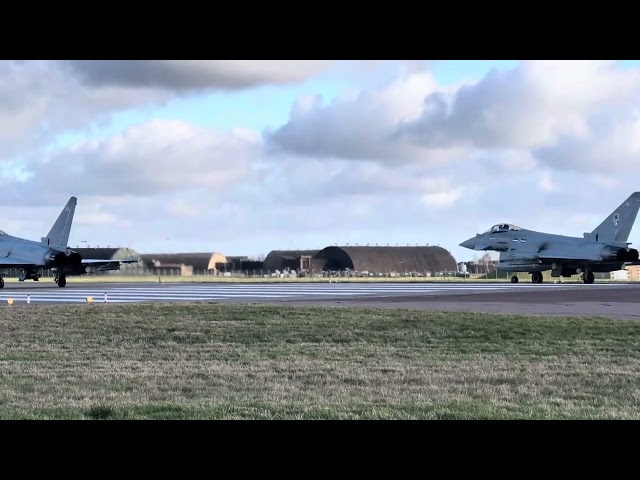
176, 292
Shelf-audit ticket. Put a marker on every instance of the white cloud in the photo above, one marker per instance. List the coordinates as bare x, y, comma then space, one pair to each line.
611, 146
182, 208
536, 146
531, 106
39, 100
179, 75
100, 218
42, 99
580, 115
546, 183
507, 161
603, 181
149, 159
357, 126
441, 199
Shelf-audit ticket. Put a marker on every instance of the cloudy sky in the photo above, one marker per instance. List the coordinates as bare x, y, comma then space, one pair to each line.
244, 157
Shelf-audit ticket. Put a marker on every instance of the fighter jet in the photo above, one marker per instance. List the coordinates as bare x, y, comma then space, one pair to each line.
51, 252
604, 250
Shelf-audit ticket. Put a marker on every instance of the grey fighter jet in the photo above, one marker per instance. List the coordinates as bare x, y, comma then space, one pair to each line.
51, 252
604, 250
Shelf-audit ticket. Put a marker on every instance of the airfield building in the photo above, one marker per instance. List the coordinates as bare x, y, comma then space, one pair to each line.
183, 263
426, 260
634, 272
296, 260
348, 260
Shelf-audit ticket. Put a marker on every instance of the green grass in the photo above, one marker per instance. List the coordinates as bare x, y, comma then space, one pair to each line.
208, 361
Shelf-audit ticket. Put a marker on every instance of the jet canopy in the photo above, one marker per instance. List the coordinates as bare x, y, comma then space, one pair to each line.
503, 227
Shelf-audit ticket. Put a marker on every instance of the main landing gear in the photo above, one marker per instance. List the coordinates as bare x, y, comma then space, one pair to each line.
536, 277
29, 275
514, 279
588, 277
1, 282
61, 280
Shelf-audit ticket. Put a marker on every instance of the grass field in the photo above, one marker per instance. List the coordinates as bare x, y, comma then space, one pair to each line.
274, 362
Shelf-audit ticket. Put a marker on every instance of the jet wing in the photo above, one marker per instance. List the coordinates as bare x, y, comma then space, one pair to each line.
103, 265
568, 256
12, 262
91, 261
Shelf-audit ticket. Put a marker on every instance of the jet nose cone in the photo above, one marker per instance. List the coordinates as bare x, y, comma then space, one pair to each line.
471, 243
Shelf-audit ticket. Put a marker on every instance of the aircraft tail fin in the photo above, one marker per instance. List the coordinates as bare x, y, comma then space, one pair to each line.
617, 226
58, 236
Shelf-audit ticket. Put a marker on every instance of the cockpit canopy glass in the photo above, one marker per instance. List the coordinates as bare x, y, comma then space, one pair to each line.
503, 227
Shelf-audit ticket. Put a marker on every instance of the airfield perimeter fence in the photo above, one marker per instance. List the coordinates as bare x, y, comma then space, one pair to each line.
168, 273
258, 273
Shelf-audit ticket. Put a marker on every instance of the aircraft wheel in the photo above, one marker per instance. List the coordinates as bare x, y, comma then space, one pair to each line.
514, 279
589, 278
1, 282
62, 281
536, 277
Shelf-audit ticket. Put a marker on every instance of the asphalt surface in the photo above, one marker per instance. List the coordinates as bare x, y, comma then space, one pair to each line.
605, 299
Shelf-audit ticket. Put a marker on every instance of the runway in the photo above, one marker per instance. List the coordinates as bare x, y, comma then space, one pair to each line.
615, 300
